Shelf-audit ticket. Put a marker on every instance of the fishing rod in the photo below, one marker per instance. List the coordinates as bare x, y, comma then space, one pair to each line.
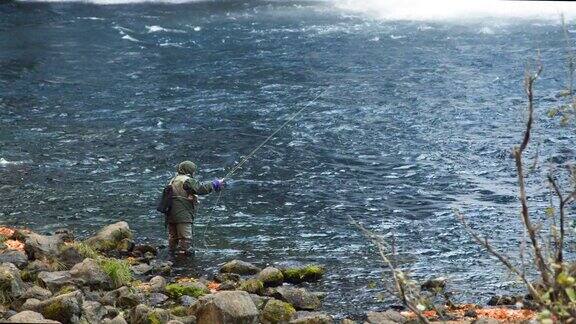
256, 149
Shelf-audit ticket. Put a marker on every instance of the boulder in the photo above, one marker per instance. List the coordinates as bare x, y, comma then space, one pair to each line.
37, 293
54, 280
434, 284
252, 286
17, 258
141, 269
260, 301
224, 277
30, 304
93, 311
312, 318
89, 273
119, 319
110, 237
65, 308
156, 299
11, 284
309, 273
41, 246
387, 317
158, 284
240, 267
161, 267
300, 298
504, 300
230, 307
124, 297
188, 301
143, 314
69, 256
271, 277
29, 317
277, 311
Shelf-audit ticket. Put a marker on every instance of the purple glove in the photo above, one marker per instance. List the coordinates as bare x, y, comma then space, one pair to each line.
218, 184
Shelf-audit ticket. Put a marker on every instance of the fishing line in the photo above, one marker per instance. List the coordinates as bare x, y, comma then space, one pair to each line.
253, 152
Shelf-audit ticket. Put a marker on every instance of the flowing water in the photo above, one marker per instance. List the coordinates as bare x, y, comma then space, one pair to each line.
417, 117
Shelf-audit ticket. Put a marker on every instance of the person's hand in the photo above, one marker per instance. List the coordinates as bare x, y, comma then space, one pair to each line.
218, 184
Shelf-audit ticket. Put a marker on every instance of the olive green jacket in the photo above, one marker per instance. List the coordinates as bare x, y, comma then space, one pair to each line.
184, 201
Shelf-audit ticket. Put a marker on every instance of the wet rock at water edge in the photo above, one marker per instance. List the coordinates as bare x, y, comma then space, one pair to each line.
300, 298
240, 267
434, 284
277, 311
29, 317
230, 307
110, 237
308, 273
312, 318
224, 277
389, 316
504, 300
43, 246
17, 258
271, 277
252, 286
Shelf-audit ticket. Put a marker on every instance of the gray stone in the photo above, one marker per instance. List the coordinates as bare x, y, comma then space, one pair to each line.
123, 297
224, 277
252, 286
434, 284
93, 312
29, 317
240, 267
65, 308
54, 280
230, 307
70, 256
10, 281
39, 246
300, 298
385, 317
188, 301
18, 258
157, 299
143, 314
158, 284
141, 269
119, 319
109, 237
88, 273
30, 304
37, 293
162, 267
271, 277
260, 301
312, 318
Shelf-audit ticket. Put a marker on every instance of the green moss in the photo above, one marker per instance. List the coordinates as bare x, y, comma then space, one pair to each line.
277, 311
252, 286
118, 270
180, 311
55, 311
84, 249
153, 318
28, 276
176, 291
66, 289
307, 273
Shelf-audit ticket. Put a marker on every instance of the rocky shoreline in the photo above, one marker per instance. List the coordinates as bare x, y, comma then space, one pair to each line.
108, 278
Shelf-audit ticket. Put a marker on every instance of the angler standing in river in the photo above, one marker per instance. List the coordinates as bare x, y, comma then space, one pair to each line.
183, 190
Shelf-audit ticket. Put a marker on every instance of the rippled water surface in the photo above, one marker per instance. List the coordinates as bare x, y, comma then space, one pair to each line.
99, 102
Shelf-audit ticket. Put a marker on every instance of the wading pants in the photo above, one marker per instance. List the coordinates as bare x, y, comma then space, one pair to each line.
180, 237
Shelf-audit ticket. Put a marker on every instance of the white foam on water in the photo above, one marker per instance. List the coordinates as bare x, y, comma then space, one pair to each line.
130, 38
423, 10
156, 29
4, 162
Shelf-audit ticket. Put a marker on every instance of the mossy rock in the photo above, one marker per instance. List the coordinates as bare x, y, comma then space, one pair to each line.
271, 277
252, 286
309, 273
175, 290
277, 311
181, 311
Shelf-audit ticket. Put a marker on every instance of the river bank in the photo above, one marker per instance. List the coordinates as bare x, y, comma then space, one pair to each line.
110, 278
